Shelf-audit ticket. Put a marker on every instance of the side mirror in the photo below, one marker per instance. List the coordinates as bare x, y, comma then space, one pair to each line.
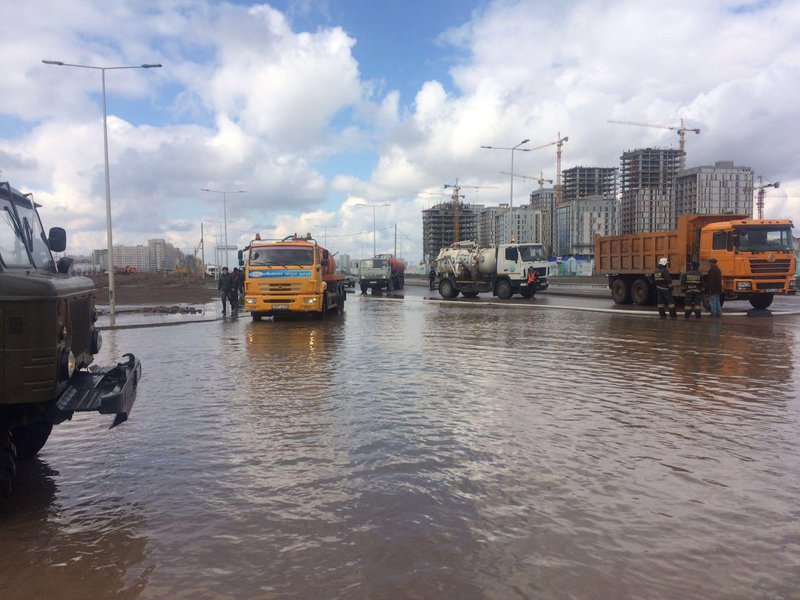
324, 262
239, 254
325, 255
57, 240
64, 264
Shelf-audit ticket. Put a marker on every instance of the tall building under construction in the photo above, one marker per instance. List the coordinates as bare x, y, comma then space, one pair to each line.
720, 189
438, 226
647, 199
582, 182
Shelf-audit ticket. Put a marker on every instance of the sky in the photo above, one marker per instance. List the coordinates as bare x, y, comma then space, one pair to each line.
346, 118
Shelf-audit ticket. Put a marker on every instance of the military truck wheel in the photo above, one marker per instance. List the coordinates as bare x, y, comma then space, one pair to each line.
8, 461
29, 439
641, 294
620, 291
503, 290
761, 300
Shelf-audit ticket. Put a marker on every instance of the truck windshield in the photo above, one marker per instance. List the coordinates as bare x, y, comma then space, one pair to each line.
374, 264
12, 248
765, 239
532, 253
281, 256
34, 234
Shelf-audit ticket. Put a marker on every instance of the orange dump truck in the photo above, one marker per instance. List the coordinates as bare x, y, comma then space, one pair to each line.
755, 256
291, 276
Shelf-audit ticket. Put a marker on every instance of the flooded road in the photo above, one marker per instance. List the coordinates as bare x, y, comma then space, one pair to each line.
414, 449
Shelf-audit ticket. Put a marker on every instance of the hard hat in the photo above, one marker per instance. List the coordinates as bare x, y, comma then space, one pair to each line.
662, 262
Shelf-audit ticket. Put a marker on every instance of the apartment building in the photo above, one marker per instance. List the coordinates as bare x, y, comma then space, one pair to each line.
719, 189
647, 198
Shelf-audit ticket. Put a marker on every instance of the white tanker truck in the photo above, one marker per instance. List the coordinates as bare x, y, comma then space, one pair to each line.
503, 270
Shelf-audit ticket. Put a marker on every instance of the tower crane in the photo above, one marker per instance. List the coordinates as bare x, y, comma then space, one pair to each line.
456, 194
557, 143
761, 187
540, 179
680, 130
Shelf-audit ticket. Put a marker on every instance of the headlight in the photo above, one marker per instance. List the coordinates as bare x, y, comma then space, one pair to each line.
743, 285
67, 365
309, 300
250, 300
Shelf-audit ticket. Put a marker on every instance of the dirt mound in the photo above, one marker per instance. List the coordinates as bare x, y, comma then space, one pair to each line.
157, 289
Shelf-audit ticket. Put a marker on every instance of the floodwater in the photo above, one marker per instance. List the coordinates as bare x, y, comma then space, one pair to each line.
414, 449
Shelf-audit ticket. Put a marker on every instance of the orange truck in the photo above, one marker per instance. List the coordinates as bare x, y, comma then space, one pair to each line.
292, 276
755, 256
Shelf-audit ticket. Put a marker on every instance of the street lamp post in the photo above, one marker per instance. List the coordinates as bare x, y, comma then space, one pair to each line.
224, 212
110, 262
325, 234
511, 193
374, 206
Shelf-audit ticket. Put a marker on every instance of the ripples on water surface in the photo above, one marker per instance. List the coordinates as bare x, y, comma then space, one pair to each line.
427, 450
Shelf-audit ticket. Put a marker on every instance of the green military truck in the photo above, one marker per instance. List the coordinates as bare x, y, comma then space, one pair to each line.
48, 339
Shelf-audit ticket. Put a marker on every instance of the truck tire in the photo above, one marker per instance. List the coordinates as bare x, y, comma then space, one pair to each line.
503, 290
641, 292
620, 291
761, 300
30, 438
324, 308
447, 289
402, 282
8, 461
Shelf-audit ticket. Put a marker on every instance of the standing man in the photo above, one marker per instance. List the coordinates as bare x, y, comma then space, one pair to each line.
432, 277
692, 284
234, 295
532, 282
225, 285
663, 281
714, 287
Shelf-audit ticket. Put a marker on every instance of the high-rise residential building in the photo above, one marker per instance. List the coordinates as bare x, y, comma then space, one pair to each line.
438, 226
647, 199
158, 255
544, 200
521, 225
488, 228
581, 182
580, 220
721, 189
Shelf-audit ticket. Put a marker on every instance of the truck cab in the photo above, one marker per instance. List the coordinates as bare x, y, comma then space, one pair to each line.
756, 258
47, 338
290, 276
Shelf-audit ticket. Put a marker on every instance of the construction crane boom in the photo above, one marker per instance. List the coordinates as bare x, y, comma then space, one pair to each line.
760, 189
540, 179
680, 130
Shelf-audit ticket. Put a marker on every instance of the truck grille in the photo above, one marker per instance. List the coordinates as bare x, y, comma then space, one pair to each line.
279, 288
764, 267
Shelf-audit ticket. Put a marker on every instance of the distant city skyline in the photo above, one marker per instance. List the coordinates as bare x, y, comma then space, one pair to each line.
317, 106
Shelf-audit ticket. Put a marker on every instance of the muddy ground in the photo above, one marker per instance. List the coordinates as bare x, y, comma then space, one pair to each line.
153, 289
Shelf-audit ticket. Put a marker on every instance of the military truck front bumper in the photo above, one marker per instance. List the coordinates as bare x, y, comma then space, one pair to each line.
107, 390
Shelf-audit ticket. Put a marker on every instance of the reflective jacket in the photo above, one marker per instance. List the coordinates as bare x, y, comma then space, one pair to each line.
662, 278
692, 281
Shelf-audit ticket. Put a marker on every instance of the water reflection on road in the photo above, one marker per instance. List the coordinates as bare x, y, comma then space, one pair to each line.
411, 449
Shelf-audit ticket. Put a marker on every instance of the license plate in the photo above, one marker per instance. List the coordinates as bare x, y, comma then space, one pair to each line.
771, 290
280, 307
